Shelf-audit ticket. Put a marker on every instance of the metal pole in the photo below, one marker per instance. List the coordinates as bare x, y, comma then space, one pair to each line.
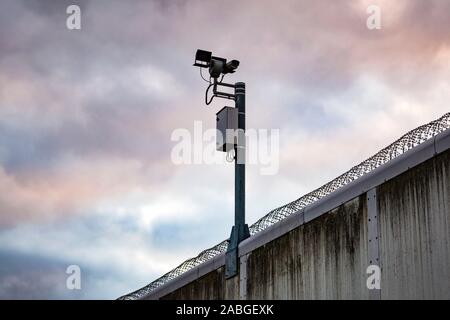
240, 230
240, 165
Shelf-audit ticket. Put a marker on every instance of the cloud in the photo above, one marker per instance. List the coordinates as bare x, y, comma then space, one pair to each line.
31, 276
40, 195
86, 118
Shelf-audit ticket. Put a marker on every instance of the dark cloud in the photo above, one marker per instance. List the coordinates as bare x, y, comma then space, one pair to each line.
318, 52
28, 276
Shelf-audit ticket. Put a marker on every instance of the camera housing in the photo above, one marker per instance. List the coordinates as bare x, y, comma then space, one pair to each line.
231, 66
217, 66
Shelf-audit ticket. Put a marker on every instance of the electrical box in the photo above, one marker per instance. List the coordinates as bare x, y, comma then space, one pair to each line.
227, 125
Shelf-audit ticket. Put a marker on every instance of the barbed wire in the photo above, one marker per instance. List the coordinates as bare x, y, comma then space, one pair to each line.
400, 146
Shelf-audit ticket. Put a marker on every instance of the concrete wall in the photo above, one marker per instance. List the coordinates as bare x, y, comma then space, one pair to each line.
324, 254
323, 259
207, 287
211, 286
414, 231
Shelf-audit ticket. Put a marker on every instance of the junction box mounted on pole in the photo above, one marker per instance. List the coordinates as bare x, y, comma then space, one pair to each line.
227, 126
231, 127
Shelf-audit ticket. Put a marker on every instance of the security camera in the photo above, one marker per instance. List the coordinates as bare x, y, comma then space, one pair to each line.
217, 66
231, 66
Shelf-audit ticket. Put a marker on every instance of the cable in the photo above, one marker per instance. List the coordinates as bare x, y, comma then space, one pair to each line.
210, 85
201, 75
206, 95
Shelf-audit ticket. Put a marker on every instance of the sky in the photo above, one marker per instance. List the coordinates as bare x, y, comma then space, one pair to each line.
87, 116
